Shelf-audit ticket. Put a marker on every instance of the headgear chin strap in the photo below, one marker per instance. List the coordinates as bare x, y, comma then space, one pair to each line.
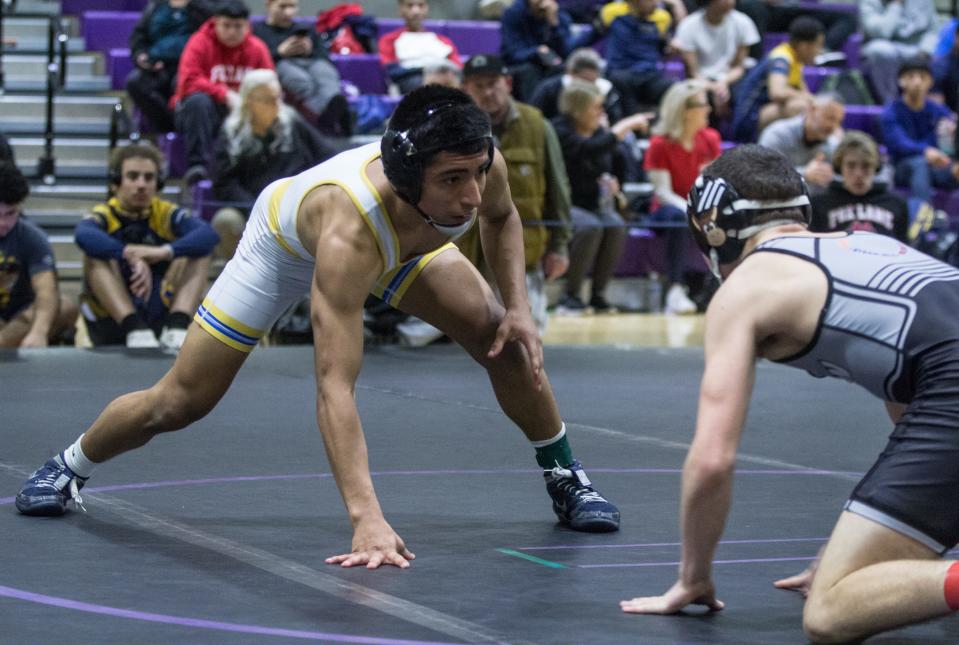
721, 220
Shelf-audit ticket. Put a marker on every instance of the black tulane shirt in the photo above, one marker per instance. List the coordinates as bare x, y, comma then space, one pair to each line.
878, 211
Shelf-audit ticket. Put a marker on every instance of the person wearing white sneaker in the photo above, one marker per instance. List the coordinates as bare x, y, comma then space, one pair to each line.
379, 218
683, 144
146, 261
677, 302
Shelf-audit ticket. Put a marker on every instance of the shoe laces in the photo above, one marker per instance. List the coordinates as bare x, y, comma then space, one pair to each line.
75, 495
575, 482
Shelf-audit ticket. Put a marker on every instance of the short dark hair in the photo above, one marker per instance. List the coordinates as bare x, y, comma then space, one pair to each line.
461, 131
761, 174
133, 151
14, 188
232, 9
805, 29
915, 64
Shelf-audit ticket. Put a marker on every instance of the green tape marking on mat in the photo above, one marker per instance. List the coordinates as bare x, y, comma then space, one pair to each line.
533, 558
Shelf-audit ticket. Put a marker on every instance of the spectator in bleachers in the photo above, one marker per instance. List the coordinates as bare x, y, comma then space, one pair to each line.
537, 178
146, 260
156, 44
302, 61
666, 14
212, 66
912, 127
404, 52
895, 30
775, 89
634, 51
714, 42
536, 38
591, 151
856, 201
442, 72
682, 146
32, 311
809, 139
586, 65
262, 140
776, 16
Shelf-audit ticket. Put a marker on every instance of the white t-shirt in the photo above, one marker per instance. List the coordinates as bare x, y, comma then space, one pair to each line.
715, 45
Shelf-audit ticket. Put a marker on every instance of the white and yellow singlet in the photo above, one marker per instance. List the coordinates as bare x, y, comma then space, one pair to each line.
272, 269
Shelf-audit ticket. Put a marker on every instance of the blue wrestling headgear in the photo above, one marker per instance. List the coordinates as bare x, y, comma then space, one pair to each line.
416, 133
722, 221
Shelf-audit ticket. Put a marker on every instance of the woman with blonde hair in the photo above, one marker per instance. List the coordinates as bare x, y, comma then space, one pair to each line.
595, 166
682, 145
261, 140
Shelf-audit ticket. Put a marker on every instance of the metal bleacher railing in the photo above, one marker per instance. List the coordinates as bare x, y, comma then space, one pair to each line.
56, 79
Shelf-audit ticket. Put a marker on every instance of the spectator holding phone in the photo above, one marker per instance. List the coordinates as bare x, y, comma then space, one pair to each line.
307, 76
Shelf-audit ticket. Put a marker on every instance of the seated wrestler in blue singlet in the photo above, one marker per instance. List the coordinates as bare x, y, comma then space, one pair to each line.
377, 219
858, 306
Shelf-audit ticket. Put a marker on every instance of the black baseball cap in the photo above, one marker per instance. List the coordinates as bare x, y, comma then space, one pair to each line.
484, 64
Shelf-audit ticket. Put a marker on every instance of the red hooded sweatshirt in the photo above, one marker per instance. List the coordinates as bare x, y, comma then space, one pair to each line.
208, 66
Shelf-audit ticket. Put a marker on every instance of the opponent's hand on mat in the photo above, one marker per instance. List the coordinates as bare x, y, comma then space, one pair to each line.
800, 582
373, 545
519, 326
679, 596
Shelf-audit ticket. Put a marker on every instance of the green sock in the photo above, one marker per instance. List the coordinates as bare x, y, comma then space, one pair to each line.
554, 451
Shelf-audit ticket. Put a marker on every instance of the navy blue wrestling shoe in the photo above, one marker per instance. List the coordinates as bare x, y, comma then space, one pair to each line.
577, 503
48, 489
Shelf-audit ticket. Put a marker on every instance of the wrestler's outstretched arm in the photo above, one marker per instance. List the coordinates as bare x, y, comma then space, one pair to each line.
347, 265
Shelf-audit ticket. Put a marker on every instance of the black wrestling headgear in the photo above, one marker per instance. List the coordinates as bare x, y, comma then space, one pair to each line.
722, 221
429, 120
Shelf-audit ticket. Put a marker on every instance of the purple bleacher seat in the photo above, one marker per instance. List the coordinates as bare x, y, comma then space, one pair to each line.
363, 70
473, 37
865, 118
674, 69
106, 30
77, 7
173, 149
203, 204
814, 76
119, 66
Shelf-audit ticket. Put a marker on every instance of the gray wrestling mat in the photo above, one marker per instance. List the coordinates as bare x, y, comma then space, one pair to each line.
217, 534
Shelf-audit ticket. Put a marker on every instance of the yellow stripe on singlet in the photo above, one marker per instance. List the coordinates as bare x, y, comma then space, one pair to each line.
366, 218
273, 216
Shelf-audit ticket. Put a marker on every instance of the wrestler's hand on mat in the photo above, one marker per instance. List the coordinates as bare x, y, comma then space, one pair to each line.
375, 543
519, 326
800, 582
679, 596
